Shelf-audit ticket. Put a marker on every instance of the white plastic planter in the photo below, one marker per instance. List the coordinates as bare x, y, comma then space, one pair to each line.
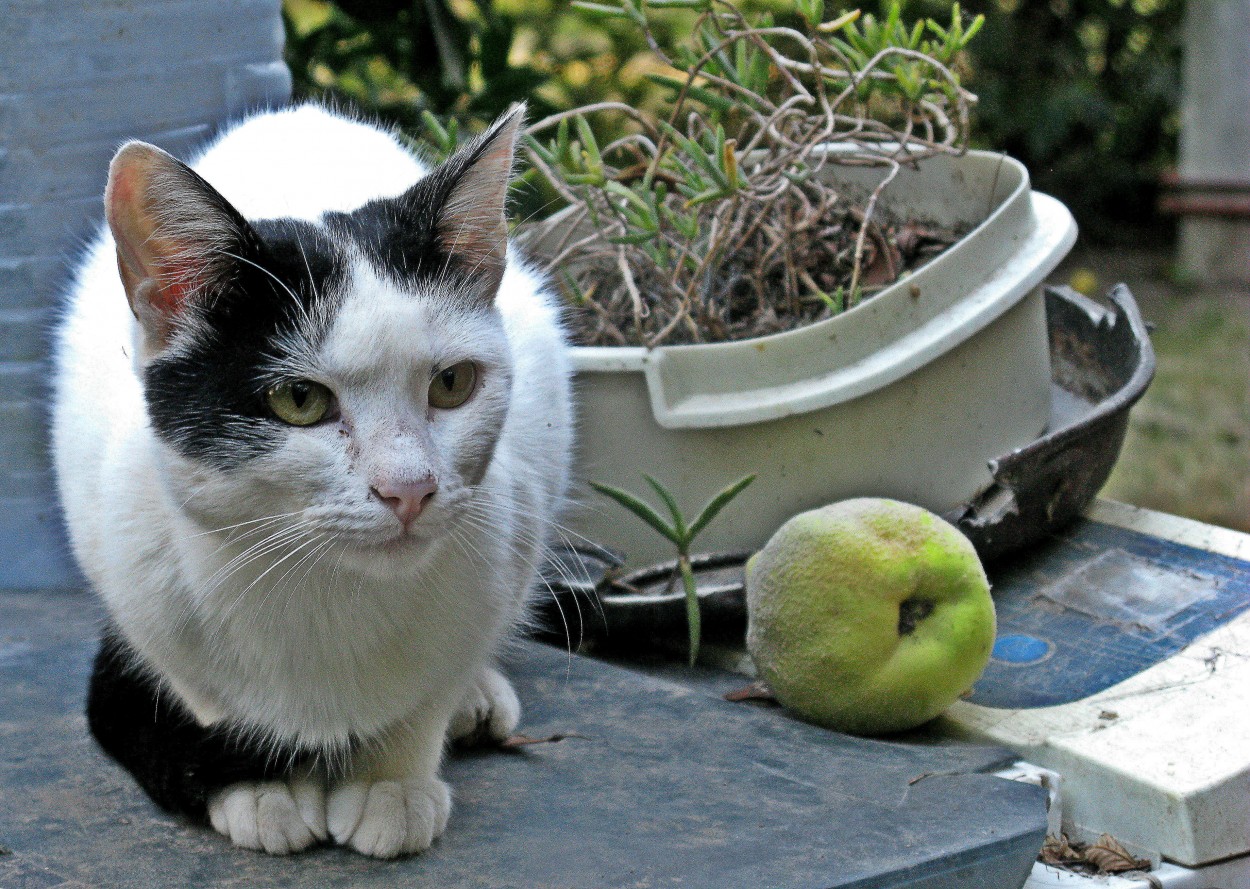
908, 395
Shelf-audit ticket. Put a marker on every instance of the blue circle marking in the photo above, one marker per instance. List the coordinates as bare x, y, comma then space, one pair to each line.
1018, 648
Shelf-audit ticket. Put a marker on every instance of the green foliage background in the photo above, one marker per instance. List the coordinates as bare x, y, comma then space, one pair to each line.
1085, 92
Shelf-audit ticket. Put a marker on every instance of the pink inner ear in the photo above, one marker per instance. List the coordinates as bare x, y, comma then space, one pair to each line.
473, 217
174, 287
156, 270
173, 281
121, 187
121, 210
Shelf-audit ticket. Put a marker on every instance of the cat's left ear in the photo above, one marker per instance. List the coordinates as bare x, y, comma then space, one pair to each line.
174, 234
471, 223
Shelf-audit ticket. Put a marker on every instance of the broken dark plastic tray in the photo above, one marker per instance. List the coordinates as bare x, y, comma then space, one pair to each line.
1101, 363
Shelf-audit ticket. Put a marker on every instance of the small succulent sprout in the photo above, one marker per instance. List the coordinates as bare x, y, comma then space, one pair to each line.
680, 533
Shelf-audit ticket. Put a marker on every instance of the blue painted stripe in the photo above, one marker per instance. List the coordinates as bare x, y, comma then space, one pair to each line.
1087, 654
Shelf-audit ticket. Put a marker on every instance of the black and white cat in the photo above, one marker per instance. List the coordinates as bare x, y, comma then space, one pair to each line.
311, 430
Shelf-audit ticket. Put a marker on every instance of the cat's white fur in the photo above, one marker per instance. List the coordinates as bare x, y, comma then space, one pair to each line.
323, 637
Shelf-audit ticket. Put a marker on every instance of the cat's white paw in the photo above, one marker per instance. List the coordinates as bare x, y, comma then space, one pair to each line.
271, 816
490, 710
388, 818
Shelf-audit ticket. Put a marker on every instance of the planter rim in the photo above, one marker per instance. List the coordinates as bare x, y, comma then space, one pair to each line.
995, 265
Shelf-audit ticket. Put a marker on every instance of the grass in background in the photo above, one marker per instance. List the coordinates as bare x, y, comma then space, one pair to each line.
1188, 446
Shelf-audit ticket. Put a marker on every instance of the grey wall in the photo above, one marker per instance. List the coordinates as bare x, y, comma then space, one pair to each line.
1215, 135
76, 79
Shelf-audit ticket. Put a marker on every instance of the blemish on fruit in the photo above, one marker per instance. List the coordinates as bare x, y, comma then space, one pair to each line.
911, 612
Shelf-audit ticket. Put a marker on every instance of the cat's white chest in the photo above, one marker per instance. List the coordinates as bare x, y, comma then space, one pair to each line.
325, 654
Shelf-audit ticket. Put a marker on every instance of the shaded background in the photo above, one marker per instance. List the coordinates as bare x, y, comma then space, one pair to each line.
1085, 92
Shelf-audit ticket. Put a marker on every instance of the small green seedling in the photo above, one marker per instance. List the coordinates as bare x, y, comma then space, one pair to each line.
681, 533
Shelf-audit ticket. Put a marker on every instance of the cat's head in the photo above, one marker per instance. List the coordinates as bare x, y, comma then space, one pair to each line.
345, 379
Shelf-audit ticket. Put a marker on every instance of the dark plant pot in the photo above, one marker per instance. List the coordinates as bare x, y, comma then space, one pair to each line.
1101, 364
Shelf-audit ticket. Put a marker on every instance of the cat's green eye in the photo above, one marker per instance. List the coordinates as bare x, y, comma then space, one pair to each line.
299, 402
452, 386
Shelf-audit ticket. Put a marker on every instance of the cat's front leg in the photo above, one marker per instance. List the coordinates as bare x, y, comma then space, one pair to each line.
393, 801
191, 767
489, 711
278, 817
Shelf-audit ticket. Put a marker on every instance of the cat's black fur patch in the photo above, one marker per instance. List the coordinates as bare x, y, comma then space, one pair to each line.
400, 236
208, 398
399, 241
176, 760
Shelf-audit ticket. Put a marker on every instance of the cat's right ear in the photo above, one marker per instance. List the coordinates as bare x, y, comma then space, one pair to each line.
174, 234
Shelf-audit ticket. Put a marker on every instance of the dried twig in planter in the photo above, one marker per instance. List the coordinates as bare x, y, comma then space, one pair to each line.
717, 223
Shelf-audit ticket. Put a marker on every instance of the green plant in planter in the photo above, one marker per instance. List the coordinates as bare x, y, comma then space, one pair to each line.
714, 222
681, 533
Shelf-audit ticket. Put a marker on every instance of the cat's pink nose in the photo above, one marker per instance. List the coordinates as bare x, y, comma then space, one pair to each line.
406, 499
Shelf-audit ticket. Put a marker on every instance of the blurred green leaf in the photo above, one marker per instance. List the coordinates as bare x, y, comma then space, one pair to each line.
717, 503
679, 523
639, 508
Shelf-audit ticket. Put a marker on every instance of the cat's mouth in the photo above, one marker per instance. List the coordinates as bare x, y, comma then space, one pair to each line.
394, 543
373, 535
400, 543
